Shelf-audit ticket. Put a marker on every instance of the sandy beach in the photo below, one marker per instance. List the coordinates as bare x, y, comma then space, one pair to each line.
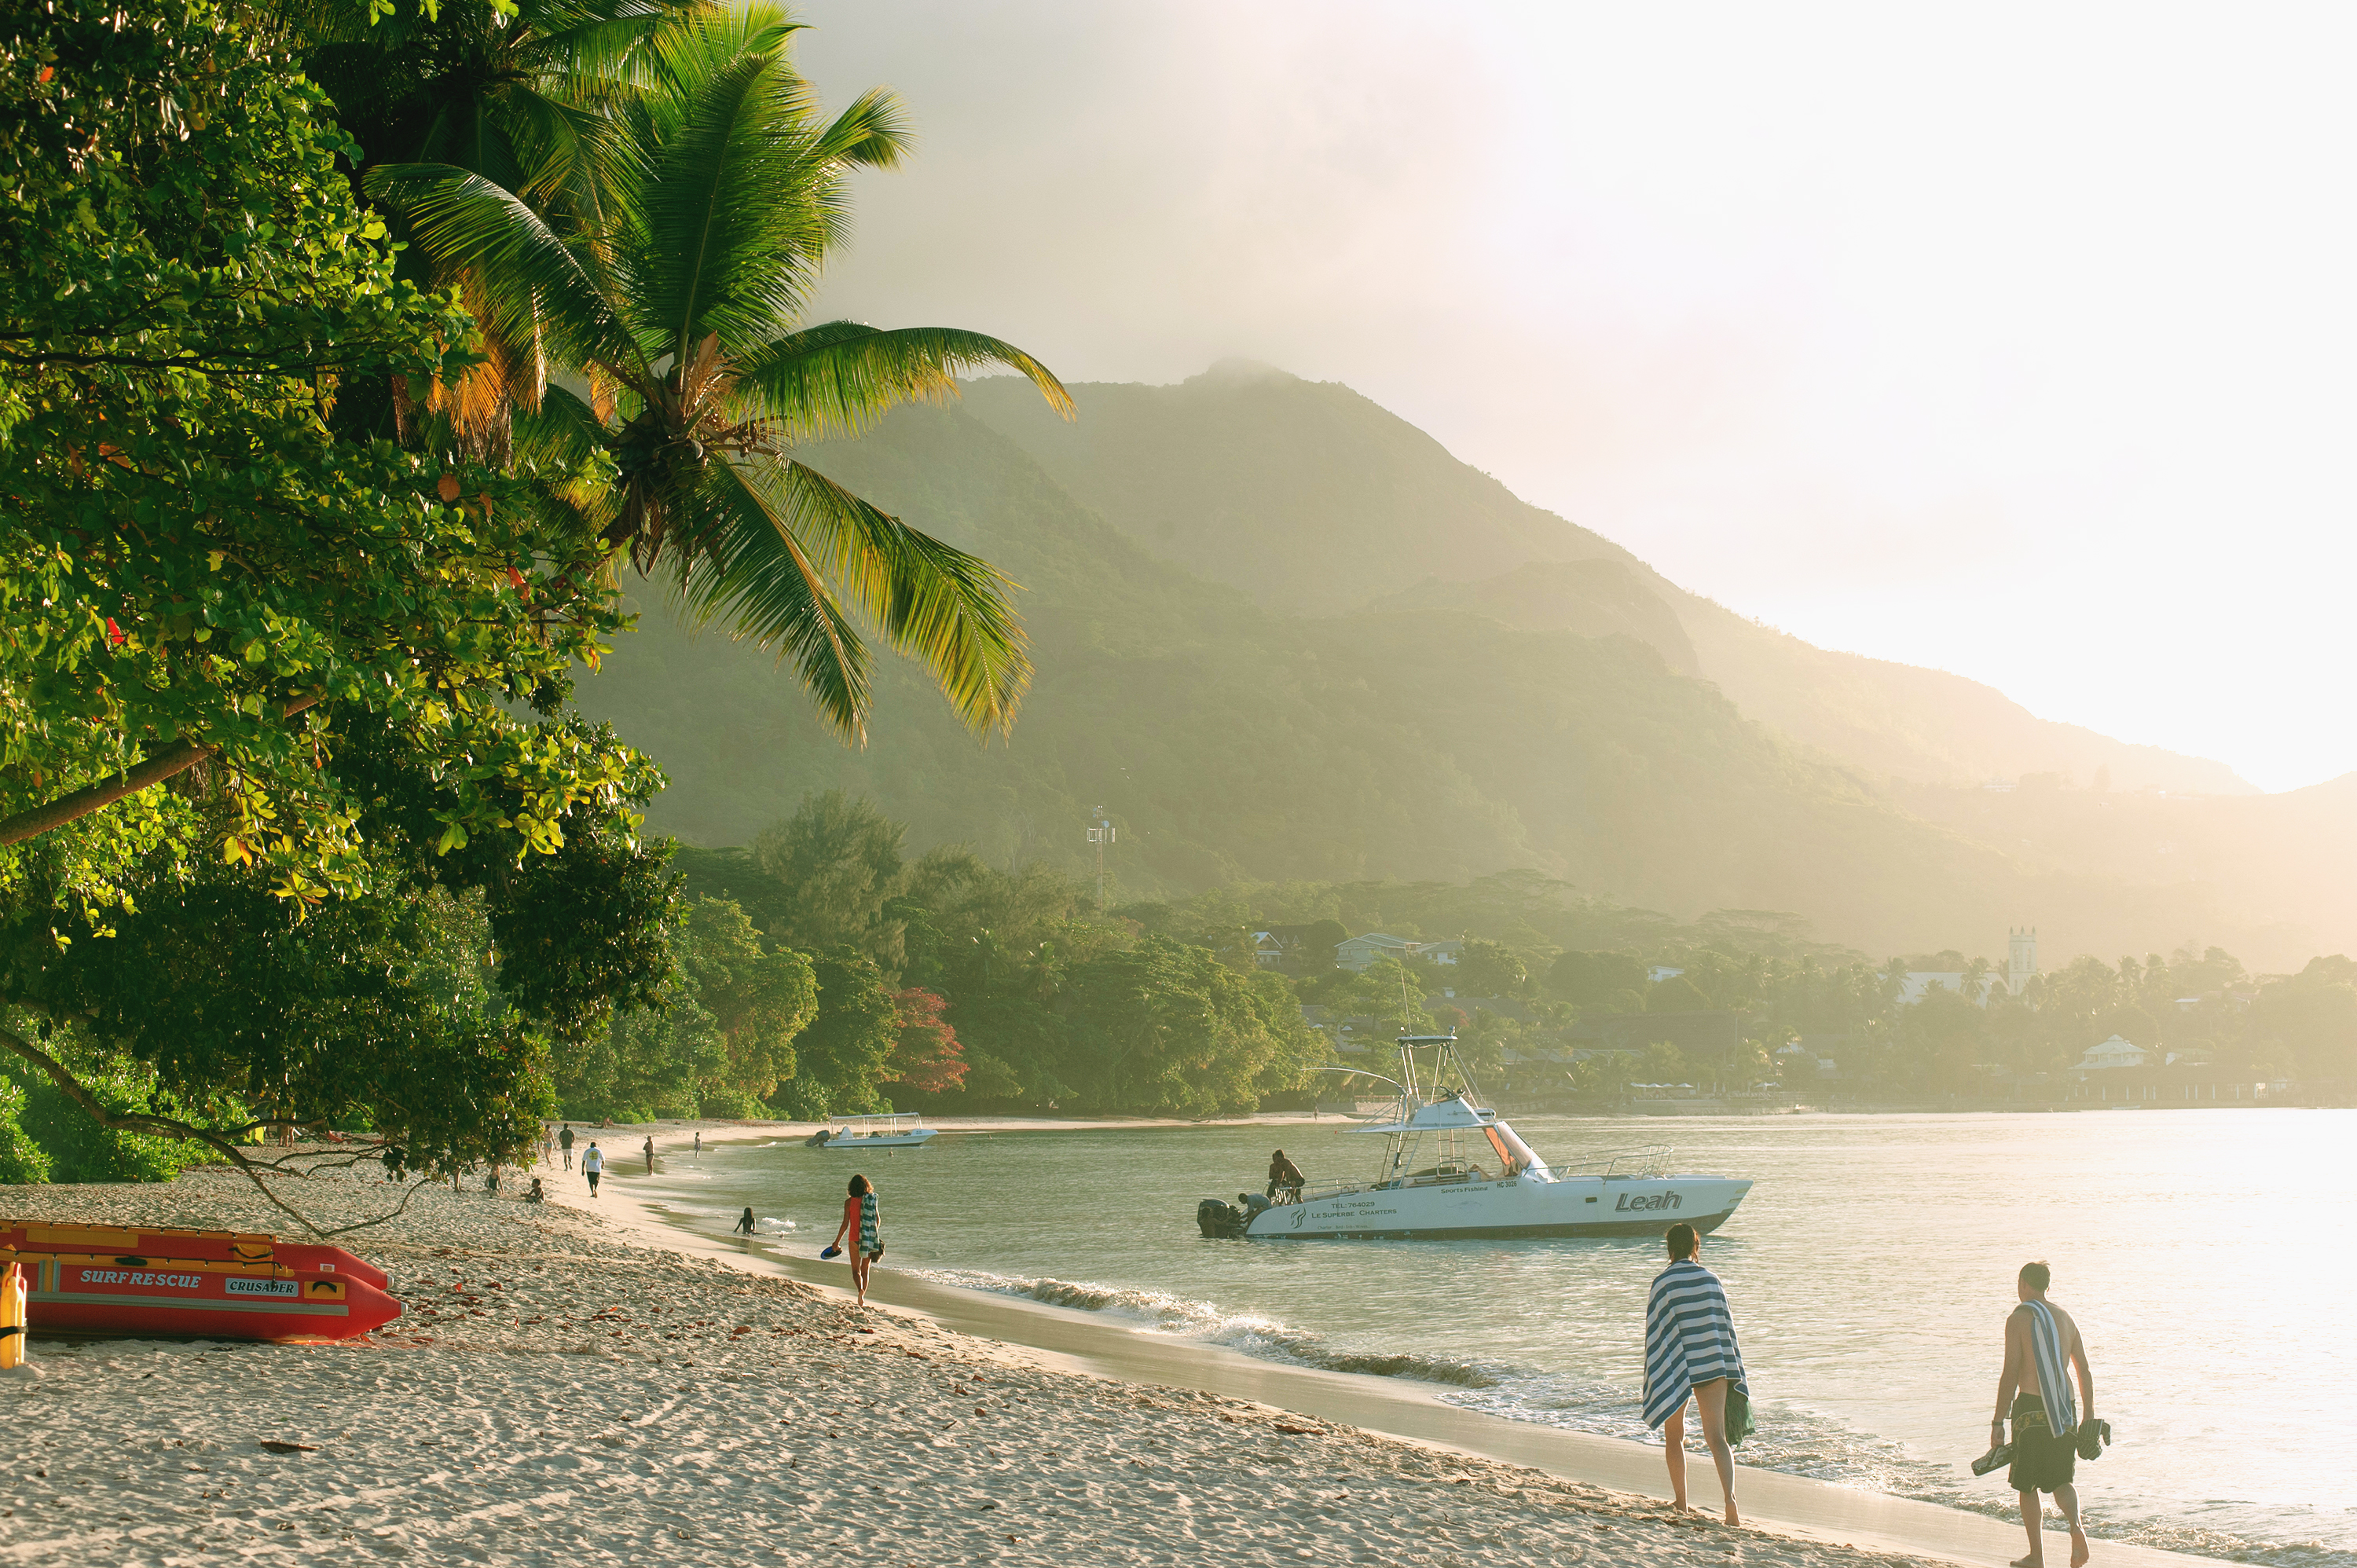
575, 1383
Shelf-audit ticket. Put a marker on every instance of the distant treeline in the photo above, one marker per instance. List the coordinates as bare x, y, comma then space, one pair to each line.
820, 972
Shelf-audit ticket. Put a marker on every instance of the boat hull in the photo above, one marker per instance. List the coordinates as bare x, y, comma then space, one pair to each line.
882, 1141
1505, 1209
202, 1298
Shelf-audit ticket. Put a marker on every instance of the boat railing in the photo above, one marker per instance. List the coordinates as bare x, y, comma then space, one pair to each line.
1621, 1165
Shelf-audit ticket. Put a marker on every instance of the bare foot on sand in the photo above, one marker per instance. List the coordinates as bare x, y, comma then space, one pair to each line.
2029, 1562
2078, 1549
1732, 1517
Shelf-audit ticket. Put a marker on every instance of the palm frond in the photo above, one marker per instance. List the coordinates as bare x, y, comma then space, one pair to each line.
752, 570
872, 134
951, 612
838, 378
533, 281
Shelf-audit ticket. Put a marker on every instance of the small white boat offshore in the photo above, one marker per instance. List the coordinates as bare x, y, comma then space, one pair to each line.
1451, 1170
875, 1133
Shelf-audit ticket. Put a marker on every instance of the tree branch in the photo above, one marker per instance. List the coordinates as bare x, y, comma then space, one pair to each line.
165, 1126
175, 758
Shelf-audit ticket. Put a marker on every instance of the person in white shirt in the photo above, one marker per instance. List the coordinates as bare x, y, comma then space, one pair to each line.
592, 1164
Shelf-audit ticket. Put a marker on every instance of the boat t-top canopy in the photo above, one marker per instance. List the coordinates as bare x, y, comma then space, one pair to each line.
1454, 1113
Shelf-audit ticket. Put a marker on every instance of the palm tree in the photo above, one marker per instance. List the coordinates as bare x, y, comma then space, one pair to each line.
676, 286
530, 101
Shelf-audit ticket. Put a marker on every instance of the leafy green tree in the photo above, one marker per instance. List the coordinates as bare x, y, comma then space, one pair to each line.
680, 298
759, 998
23, 1160
1661, 1062
1675, 994
836, 862
1392, 993
841, 1060
74, 1147
1598, 980
1490, 969
717, 1040
1162, 1028
648, 1064
195, 573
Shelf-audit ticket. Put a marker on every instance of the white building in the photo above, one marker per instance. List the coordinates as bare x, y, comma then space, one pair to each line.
2020, 959
2117, 1052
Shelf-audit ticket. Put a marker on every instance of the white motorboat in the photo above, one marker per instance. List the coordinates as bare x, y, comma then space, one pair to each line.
876, 1133
1451, 1170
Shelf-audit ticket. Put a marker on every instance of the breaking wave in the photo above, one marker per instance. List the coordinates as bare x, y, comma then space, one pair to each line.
1185, 1317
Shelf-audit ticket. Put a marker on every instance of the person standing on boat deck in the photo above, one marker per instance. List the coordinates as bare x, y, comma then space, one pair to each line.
2041, 1349
1285, 1178
862, 1221
1690, 1349
564, 1142
593, 1163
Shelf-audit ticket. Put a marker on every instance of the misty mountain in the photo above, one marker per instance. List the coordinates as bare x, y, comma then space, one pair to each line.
1313, 500
1231, 740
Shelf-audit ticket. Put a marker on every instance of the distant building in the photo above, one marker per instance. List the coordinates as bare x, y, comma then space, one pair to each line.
2020, 959
1356, 953
2117, 1052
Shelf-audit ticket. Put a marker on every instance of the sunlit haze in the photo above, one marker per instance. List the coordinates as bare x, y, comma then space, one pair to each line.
2014, 342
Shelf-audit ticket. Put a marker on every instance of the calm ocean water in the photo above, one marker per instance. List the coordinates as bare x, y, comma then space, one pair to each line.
1870, 1271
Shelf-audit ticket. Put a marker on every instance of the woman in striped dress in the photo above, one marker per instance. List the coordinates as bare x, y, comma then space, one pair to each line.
862, 1221
1690, 1350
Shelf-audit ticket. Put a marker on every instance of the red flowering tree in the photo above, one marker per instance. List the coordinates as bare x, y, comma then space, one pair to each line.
926, 1054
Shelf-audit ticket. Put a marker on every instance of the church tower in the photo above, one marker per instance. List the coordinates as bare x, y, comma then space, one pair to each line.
2020, 959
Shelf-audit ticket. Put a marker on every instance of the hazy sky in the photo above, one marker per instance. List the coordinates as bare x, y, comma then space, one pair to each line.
2017, 342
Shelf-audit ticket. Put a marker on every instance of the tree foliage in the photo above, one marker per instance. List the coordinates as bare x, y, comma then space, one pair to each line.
282, 747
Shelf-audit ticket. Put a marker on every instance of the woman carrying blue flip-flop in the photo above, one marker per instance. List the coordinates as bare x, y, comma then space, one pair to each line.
862, 1215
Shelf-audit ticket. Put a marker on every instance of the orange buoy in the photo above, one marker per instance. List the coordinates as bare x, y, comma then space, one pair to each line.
12, 1318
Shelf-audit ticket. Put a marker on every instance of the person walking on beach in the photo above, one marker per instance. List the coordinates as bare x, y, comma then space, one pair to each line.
650, 1154
862, 1221
1690, 1351
2041, 1349
744, 1221
593, 1164
564, 1142
699, 1143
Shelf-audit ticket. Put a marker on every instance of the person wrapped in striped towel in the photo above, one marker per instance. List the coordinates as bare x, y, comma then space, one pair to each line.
1690, 1351
2043, 1348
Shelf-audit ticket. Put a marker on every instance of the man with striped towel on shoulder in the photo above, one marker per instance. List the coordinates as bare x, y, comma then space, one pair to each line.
1690, 1351
2041, 1349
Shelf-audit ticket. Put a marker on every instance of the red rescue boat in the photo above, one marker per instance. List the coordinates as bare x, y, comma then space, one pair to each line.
155, 1240
199, 1298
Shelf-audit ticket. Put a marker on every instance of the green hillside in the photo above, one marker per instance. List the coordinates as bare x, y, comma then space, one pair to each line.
1232, 742
1313, 500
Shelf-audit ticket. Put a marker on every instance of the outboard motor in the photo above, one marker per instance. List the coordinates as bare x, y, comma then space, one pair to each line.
1220, 1221
818, 1139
